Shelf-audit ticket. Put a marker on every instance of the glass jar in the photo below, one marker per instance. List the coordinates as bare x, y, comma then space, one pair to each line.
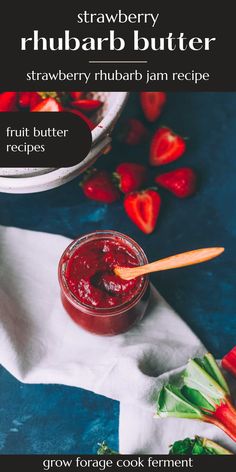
109, 320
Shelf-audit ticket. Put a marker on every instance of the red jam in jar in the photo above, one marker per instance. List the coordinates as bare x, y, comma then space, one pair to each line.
92, 294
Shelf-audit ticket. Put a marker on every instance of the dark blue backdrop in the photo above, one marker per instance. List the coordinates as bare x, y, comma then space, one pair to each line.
57, 419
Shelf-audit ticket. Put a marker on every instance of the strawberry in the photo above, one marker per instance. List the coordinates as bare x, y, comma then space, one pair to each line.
143, 209
35, 99
8, 101
76, 95
152, 104
49, 104
24, 99
166, 146
29, 99
130, 176
86, 105
90, 124
181, 182
98, 185
134, 132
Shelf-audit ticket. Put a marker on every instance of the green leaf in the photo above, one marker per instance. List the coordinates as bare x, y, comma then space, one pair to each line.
105, 449
195, 397
171, 402
60, 97
213, 369
198, 446
183, 447
196, 377
45, 95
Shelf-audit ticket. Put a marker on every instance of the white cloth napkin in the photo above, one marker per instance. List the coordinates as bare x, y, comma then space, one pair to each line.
39, 343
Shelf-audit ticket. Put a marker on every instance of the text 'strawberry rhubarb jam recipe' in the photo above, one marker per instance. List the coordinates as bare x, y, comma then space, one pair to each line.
97, 299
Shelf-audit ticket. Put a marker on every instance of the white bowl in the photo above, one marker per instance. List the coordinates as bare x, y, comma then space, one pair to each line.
31, 180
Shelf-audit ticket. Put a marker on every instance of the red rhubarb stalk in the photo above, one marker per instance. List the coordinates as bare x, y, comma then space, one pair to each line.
204, 396
229, 361
225, 418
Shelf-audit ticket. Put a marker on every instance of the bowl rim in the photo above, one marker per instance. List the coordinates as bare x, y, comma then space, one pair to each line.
110, 117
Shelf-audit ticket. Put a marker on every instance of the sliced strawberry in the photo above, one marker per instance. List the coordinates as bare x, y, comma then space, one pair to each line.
8, 101
134, 132
152, 104
143, 209
130, 176
76, 95
181, 182
98, 185
86, 105
90, 124
49, 104
166, 146
229, 361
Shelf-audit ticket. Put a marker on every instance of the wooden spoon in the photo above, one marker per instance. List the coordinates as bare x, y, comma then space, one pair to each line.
173, 262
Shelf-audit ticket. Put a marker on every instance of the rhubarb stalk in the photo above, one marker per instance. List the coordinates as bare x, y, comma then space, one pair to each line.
187, 446
229, 361
204, 395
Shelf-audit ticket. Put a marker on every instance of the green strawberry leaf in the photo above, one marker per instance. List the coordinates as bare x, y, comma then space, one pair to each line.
61, 97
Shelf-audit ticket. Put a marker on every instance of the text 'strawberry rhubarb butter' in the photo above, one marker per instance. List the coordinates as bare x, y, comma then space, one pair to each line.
97, 299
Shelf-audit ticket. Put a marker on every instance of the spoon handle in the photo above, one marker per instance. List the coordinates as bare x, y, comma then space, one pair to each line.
173, 262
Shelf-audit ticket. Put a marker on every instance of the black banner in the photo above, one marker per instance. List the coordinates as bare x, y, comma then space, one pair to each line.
115, 463
43, 139
165, 46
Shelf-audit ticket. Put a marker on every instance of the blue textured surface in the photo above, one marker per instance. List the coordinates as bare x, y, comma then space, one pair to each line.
57, 419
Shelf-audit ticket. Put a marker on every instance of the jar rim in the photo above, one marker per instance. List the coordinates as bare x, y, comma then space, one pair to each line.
101, 311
